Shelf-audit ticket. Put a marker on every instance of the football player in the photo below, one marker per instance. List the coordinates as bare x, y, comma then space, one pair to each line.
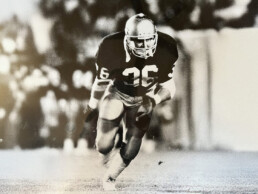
134, 72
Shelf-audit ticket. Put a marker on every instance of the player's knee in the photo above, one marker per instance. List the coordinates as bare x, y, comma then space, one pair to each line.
111, 108
106, 132
104, 146
104, 149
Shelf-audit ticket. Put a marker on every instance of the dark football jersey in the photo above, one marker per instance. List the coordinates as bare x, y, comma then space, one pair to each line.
137, 76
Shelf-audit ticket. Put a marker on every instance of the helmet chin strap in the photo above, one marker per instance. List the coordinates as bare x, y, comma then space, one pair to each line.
149, 53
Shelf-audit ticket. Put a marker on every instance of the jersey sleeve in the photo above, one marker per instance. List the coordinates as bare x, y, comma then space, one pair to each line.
102, 61
169, 59
102, 73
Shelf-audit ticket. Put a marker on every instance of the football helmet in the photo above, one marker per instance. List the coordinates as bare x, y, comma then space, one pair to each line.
141, 36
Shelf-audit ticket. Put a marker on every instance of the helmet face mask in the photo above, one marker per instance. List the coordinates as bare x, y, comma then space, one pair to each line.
141, 36
142, 47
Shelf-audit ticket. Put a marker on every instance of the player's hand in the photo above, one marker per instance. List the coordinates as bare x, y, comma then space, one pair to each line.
90, 114
145, 110
90, 122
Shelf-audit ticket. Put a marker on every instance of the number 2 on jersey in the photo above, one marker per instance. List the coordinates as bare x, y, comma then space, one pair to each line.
146, 80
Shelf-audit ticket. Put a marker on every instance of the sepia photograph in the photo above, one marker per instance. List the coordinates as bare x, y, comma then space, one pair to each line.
128, 96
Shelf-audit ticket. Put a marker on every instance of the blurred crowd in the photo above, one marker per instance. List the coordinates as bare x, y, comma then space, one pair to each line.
43, 89
40, 103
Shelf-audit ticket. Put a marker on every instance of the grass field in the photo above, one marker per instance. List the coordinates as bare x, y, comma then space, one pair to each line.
52, 171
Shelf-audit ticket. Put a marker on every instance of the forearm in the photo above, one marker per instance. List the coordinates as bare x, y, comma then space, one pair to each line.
166, 91
98, 88
162, 95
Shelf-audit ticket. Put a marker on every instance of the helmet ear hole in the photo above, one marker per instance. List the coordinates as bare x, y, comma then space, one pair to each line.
130, 43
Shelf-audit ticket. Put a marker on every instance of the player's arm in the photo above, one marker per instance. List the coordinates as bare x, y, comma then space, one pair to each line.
103, 74
162, 93
165, 91
91, 111
166, 86
98, 88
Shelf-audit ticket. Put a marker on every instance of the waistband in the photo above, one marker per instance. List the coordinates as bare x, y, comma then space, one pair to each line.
127, 99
